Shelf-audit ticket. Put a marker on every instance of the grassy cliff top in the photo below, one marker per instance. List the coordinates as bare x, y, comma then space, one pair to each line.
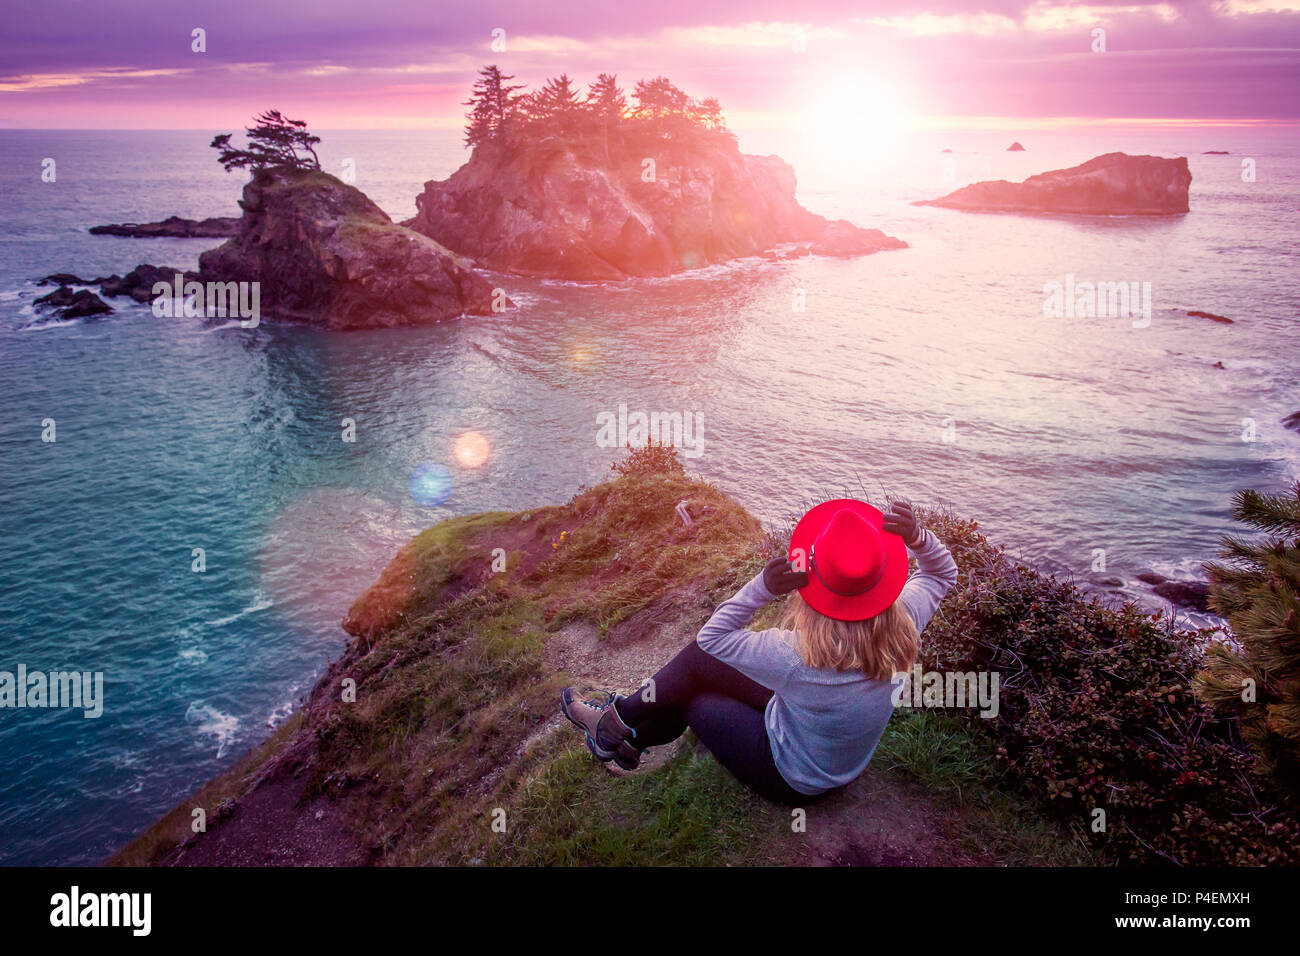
455, 724
452, 749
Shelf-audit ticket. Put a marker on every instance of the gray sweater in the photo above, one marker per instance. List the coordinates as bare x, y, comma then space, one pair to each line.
823, 725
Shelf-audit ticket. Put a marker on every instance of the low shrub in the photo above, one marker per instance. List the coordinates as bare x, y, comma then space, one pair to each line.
1097, 713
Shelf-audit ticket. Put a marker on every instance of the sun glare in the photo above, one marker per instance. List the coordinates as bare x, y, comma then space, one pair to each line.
855, 123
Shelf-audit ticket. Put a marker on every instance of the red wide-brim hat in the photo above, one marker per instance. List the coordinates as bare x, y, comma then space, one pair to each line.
855, 568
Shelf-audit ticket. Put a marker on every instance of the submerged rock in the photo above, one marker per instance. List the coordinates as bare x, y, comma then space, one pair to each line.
325, 255
139, 282
566, 210
1115, 184
67, 278
68, 304
1189, 594
172, 226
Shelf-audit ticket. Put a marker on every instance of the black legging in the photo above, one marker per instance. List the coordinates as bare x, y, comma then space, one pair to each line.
724, 708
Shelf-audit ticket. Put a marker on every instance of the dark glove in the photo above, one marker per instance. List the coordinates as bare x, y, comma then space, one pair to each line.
899, 520
779, 577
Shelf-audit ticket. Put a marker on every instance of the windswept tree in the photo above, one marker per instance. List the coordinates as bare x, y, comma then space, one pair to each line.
1257, 588
275, 141
493, 103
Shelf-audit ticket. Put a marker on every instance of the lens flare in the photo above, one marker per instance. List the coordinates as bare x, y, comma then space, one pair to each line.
471, 450
430, 484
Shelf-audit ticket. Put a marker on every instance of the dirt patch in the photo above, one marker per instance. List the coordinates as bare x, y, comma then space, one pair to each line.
634, 649
879, 820
271, 826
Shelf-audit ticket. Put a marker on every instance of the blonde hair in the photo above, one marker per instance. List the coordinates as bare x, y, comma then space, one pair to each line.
880, 646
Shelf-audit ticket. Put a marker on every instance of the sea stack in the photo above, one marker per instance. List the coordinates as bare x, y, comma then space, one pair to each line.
568, 208
326, 255
1115, 184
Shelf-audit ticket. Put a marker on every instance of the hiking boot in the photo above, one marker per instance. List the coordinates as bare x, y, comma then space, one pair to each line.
608, 738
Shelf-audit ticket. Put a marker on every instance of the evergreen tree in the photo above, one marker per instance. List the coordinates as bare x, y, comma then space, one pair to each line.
556, 104
1256, 589
607, 106
605, 99
493, 104
659, 99
708, 114
275, 141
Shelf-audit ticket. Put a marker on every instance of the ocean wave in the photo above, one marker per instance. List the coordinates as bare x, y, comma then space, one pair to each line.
524, 299
232, 324
261, 601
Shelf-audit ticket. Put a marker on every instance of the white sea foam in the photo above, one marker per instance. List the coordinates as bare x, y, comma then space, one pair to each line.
214, 723
233, 324
261, 601
50, 324
194, 655
280, 713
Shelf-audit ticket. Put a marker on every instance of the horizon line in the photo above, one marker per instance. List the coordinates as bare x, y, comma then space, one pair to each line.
926, 123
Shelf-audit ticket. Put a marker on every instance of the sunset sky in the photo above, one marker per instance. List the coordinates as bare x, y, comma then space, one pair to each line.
129, 65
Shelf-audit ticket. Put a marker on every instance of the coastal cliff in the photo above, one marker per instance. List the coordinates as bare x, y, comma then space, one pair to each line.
326, 255
561, 208
435, 738
1115, 184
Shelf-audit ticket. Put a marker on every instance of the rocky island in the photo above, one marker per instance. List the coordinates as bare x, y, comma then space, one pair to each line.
326, 255
591, 189
173, 227
309, 248
1115, 184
